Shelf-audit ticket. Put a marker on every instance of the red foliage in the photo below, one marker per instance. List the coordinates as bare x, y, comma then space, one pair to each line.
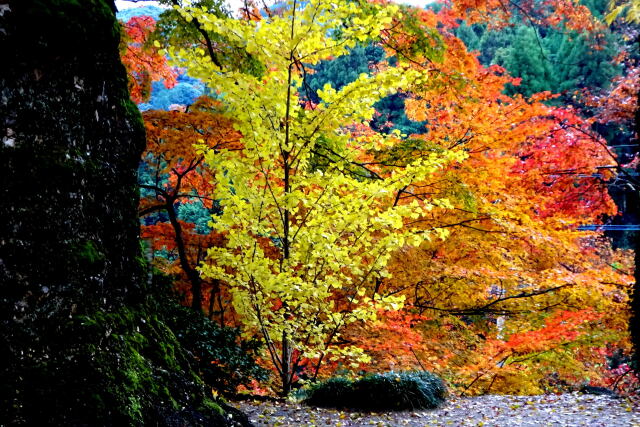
568, 169
143, 60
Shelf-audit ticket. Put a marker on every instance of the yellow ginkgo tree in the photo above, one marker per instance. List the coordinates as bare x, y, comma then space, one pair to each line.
310, 223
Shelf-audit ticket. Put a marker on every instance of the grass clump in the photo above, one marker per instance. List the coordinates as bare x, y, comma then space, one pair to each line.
390, 391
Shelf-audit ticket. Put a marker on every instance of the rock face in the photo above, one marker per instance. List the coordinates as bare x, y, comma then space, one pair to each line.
83, 340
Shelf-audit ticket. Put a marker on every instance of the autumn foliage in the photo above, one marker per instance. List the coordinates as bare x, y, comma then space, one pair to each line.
456, 249
177, 176
142, 58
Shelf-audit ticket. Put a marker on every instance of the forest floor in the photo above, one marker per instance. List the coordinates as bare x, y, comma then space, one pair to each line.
572, 409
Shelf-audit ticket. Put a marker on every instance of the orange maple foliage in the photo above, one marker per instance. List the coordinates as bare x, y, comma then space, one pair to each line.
533, 174
570, 14
172, 141
179, 176
502, 364
394, 341
143, 60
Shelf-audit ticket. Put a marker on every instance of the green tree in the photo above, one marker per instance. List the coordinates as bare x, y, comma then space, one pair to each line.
345, 69
527, 59
491, 41
467, 33
580, 64
342, 70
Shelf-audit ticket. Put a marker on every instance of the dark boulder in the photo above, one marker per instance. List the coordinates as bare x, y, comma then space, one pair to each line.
83, 337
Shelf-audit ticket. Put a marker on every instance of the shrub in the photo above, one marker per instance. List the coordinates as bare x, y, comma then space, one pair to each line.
225, 361
393, 391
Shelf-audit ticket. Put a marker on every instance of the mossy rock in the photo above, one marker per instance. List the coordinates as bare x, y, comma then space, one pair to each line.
84, 340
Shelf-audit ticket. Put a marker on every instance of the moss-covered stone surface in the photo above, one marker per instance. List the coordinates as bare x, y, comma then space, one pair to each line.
83, 337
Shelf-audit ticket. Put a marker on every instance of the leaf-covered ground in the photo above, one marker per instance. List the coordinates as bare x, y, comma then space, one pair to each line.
572, 409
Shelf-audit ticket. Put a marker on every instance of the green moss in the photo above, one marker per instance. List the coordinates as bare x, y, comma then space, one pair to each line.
88, 252
131, 385
211, 405
132, 112
141, 367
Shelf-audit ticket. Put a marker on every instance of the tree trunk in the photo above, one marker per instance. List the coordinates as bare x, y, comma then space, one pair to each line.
192, 273
287, 365
82, 341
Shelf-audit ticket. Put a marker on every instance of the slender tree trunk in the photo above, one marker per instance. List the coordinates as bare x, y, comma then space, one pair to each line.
192, 273
287, 373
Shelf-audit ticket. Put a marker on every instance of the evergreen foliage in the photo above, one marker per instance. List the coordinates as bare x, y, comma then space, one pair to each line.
224, 360
580, 65
346, 69
526, 58
547, 59
183, 93
342, 70
393, 391
146, 10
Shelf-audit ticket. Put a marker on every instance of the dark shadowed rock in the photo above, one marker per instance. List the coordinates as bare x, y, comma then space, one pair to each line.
83, 338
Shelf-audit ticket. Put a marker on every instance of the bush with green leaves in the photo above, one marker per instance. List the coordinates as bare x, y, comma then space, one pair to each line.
393, 391
225, 361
